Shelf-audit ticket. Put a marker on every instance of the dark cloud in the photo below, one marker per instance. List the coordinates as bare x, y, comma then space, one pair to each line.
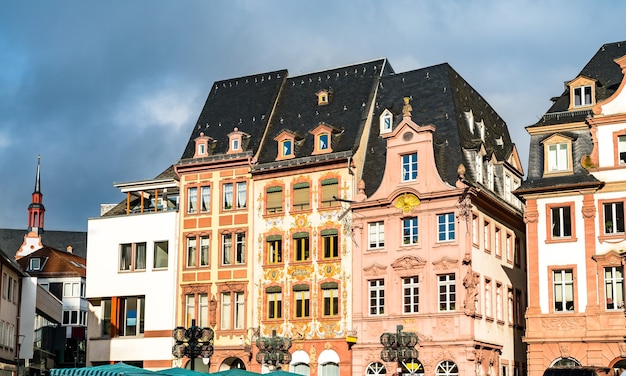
109, 91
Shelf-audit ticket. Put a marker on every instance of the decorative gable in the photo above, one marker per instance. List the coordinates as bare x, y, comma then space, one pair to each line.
616, 103
286, 144
202, 145
322, 134
235, 141
582, 92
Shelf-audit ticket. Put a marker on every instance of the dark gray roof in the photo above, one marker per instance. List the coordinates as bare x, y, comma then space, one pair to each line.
245, 103
351, 91
601, 68
439, 96
608, 76
11, 240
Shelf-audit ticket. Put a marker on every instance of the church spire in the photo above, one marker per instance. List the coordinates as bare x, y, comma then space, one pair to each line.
36, 208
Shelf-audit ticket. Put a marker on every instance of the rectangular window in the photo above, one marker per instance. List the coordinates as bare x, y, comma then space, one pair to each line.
203, 310
105, 322
301, 196
478, 160
582, 96
274, 303
71, 289
132, 311
330, 294
613, 218
240, 310
409, 231
499, 302
377, 297
475, 233
488, 297
240, 248
34, 263
558, 157
511, 306
132, 256
330, 190
274, 249
376, 234
330, 245
301, 300
274, 196
507, 187
621, 149
204, 250
227, 203
301, 246
161, 254
192, 200
191, 252
190, 309
614, 287
410, 294
205, 193
227, 249
561, 222
242, 195
445, 226
447, 292
563, 285
497, 240
409, 167
487, 235
225, 311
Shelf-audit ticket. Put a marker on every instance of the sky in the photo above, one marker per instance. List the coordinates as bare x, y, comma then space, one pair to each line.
109, 91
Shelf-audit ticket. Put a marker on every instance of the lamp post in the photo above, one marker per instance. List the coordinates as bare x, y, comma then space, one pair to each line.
273, 351
398, 347
193, 342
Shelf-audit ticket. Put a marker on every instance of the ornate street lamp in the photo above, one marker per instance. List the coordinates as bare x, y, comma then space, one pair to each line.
193, 342
273, 351
398, 347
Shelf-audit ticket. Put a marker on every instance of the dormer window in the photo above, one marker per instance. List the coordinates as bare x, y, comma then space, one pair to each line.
34, 264
557, 154
286, 144
582, 92
202, 146
322, 97
481, 129
235, 140
386, 122
322, 134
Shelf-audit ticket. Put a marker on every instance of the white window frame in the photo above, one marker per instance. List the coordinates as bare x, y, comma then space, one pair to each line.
614, 288
410, 295
376, 297
376, 234
409, 167
558, 157
410, 231
563, 288
446, 284
446, 227
580, 96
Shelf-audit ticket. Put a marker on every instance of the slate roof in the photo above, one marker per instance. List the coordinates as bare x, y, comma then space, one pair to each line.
11, 240
439, 96
608, 76
245, 103
601, 68
351, 91
57, 263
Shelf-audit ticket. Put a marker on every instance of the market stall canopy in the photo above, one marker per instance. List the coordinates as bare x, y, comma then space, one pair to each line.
117, 369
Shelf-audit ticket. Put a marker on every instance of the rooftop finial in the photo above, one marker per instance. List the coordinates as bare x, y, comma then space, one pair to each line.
37, 182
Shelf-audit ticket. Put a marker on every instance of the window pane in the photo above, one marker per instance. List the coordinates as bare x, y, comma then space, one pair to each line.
330, 190
206, 199
126, 256
204, 250
140, 256
228, 196
301, 196
274, 200
227, 249
240, 251
160, 254
191, 252
242, 196
193, 199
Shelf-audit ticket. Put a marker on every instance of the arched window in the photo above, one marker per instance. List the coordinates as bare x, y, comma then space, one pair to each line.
376, 368
301, 369
329, 369
447, 368
566, 362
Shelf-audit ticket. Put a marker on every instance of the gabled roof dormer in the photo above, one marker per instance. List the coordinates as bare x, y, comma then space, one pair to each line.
582, 92
235, 141
323, 138
323, 97
286, 145
557, 155
203, 145
386, 122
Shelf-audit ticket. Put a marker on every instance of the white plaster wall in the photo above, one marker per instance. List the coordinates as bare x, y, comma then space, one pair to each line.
566, 253
105, 234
